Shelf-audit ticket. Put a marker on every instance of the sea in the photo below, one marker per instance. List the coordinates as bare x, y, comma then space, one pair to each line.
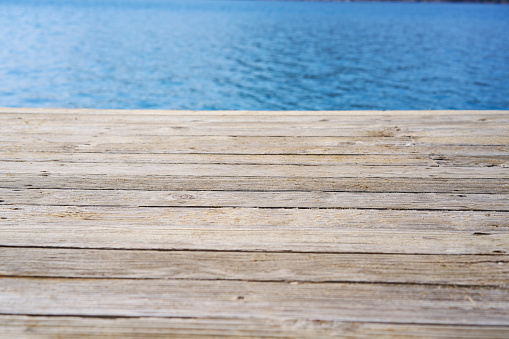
253, 55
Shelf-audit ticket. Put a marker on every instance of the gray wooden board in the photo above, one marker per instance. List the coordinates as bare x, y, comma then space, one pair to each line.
238, 159
254, 229
275, 300
341, 200
258, 145
242, 218
253, 266
227, 170
44, 180
254, 224
464, 160
261, 147
258, 239
255, 146
227, 128
151, 327
407, 114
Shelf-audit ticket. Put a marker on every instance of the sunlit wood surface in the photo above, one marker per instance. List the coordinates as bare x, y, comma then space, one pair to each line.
254, 224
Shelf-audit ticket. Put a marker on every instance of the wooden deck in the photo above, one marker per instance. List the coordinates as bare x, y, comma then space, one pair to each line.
254, 224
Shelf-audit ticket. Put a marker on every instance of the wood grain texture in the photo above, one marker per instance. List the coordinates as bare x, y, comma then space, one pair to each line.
44, 180
312, 267
204, 127
254, 224
242, 218
436, 160
254, 229
230, 159
342, 200
102, 112
252, 145
259, 239
227, 170
276, 300
57, 326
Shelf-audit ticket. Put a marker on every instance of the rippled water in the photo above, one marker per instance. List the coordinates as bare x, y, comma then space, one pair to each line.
258, 55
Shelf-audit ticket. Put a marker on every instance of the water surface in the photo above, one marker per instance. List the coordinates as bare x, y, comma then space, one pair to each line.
257, 55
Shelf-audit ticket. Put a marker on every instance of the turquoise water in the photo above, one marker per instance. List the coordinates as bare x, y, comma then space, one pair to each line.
256, 55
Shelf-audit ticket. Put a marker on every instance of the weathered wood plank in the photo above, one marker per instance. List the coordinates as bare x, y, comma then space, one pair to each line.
241, 159
378, 124
257, 230
393, 221
266, 125
303, 267
121, 169
186, 119
248, 145
261, 159
327, 142
133, 198
148, 112
182, 183
227, 128
471, 161
16, 326
416, 304
257, 239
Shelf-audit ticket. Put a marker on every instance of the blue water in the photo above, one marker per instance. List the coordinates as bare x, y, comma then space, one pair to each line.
256, 55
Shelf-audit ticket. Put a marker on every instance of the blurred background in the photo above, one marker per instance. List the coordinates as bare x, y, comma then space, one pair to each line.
253, 55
